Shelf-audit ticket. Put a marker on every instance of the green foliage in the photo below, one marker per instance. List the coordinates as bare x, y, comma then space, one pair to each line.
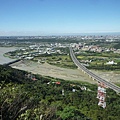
117, 46
71, 113
96, 60
25, 99
60, 60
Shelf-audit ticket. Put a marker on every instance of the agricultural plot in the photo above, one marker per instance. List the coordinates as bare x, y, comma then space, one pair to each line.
100, 61
57, 60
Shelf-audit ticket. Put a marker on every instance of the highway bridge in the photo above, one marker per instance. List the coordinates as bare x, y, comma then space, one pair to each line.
92, 75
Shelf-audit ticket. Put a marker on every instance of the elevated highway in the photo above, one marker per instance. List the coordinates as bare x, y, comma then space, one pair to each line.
92, 75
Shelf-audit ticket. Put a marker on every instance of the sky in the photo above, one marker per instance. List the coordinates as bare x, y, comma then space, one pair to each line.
55, 17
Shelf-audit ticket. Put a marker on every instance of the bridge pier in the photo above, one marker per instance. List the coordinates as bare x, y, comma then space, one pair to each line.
92, 75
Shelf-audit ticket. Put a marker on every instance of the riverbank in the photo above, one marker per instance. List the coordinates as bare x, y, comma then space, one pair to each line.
3, 50
64, 73
53, 71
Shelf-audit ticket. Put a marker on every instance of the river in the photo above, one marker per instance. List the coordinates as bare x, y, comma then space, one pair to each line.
3, 50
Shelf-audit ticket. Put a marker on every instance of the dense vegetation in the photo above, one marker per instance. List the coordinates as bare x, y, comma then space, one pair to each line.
25, 99
117, 46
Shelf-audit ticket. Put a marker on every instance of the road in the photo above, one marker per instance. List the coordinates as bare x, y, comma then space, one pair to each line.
92, 75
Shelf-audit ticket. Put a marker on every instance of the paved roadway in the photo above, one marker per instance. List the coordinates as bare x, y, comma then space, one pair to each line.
92, 75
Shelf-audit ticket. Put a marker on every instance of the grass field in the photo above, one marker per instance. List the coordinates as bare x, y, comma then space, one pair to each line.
59, 60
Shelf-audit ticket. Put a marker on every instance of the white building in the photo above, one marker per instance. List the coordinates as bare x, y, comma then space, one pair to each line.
111, 63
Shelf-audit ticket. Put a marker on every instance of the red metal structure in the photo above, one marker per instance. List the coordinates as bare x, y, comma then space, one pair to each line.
101, 95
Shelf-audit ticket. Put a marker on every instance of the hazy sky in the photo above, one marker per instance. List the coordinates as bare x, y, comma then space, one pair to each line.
45, 17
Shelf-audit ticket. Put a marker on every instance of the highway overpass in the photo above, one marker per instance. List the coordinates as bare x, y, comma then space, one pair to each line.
92, 75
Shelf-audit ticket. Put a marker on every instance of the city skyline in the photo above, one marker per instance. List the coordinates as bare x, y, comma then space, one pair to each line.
55, 17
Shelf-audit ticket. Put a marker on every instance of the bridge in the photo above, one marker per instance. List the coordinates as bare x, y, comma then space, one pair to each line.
92, 75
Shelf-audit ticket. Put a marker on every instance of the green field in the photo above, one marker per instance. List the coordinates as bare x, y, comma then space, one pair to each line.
58, 60
98, 60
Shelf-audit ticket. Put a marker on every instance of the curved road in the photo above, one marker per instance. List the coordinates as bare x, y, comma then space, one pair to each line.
92, 75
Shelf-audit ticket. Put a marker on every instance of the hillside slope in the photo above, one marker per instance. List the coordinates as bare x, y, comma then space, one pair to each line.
25, 96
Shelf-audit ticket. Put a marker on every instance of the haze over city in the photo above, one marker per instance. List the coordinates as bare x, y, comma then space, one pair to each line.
56, 17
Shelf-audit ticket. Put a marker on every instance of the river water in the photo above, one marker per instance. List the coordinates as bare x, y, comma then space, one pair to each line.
3, 50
